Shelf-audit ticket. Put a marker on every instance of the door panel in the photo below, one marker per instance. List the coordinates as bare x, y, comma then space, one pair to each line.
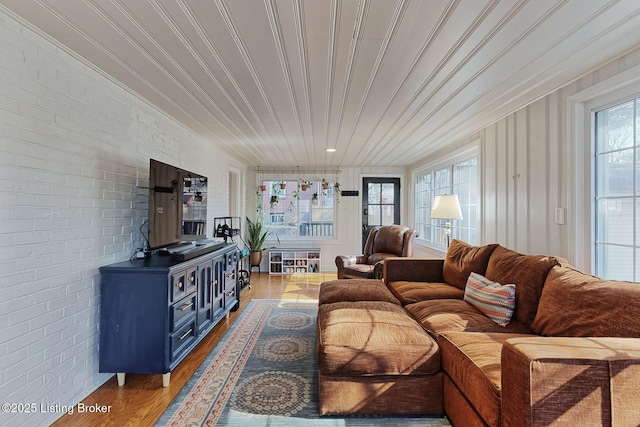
380, 203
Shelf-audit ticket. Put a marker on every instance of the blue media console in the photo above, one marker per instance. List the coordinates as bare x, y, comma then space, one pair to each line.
154, 311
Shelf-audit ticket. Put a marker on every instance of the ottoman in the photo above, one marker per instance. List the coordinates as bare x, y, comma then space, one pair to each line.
375, 359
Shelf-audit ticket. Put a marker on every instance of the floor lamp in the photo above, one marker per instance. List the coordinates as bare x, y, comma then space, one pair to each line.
446, 207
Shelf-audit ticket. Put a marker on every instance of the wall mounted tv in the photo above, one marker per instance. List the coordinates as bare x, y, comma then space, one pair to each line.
177, 205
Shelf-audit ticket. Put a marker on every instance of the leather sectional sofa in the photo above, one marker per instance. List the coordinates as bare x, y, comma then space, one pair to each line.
418, 343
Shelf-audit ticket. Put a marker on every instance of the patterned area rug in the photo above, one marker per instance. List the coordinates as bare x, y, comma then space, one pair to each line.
264, 373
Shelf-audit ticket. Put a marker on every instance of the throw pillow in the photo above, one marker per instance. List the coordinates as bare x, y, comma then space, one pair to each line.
463, 259
494, 300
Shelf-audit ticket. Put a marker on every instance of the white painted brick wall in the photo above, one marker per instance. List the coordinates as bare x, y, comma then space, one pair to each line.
74, 160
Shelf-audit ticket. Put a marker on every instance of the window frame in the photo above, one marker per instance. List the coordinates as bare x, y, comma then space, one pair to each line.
580, 155
599, 246
464, 154
268, 214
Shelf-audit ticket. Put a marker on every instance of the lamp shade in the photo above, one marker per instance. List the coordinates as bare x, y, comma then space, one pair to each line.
446, 207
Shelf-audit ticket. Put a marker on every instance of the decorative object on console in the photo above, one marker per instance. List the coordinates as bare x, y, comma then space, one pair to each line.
447, 207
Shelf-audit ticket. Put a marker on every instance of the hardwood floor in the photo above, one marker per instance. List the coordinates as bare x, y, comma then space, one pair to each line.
142, 400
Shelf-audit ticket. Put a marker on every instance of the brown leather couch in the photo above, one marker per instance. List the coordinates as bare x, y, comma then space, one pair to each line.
383, 242
569, 356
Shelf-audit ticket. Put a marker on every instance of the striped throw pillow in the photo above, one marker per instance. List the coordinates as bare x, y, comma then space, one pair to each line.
494, 300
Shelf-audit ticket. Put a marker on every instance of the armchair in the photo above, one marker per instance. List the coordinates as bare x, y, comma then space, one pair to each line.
383, 242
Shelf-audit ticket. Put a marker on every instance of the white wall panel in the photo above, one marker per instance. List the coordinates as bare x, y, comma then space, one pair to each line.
526, 171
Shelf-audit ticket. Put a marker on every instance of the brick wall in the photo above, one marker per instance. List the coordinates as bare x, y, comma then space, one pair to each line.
74, 160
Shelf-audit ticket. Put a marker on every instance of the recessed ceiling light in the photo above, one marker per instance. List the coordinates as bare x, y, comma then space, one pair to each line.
330, 150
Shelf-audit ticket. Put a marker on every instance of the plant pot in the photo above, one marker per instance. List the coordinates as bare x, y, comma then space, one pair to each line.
325, 185
303, 187
283, 186
255, 258
263, 188
314, 202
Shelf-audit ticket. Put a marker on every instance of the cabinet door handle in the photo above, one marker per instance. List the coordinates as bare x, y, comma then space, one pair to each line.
186, 334
180, 284
186, 306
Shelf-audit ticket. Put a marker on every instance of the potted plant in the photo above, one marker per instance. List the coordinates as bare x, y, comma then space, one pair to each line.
304, 184
263, 187
256, 236
314, 199
282, 185
325, 183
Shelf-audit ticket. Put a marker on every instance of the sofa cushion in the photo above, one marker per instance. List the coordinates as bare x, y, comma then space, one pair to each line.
494, 300
578, 304
373, 338
472, 361
527, 272
412, 292
463, 259
355, 290
438, 316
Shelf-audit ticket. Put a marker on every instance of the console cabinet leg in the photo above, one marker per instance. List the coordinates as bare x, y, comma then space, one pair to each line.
120, 376
165, 379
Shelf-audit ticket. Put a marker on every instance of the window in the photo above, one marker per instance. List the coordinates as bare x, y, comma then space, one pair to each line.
617, 201
289, 211
460, 178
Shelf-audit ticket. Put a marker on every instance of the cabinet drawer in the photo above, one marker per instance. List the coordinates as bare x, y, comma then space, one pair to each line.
182, 339
182, 283
230, 297
231, 259
181, 310
229, 277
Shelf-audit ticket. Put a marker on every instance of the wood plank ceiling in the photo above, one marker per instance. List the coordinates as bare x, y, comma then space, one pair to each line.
384, 82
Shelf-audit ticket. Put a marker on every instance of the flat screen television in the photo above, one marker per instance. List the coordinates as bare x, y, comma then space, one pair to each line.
177, 205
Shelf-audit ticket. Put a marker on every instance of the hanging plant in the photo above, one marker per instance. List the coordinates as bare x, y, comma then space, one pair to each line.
314, 199
304, 184
325, 183
259, 206
275, 195
263, 188
282, 185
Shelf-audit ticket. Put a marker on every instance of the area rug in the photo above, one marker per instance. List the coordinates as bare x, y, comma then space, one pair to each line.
263, 372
